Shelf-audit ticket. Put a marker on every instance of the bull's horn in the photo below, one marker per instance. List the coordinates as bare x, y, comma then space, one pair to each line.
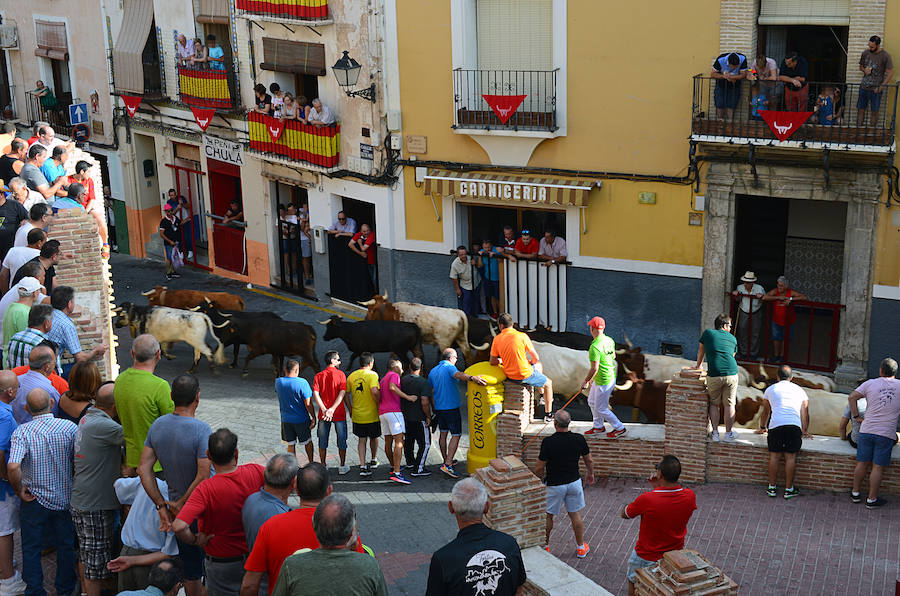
758, 385
325, 322
484, 346
225, 314
491, 328
369, 302
220, 326
384, 295
147, 293
762, 371
621, 352
628, 342
626, 386
208, 301
194, 308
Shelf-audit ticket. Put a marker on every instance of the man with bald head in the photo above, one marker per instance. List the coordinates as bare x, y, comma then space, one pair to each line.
41, 364
40, 472
141, 398
98, 460
10, 579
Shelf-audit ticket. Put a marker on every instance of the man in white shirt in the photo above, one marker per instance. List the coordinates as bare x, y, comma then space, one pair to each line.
343, 225
320, 115
47, 139
552, 248
749, 319
463, 281
19, 255
788, 405
39, 216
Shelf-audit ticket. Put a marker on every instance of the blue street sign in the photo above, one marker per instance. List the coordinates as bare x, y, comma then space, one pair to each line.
78, 113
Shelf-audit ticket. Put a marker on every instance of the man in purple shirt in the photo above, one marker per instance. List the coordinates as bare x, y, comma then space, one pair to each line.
390, 414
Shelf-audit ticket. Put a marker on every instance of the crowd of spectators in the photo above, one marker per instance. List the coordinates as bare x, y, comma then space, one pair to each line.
193, 54
286, 106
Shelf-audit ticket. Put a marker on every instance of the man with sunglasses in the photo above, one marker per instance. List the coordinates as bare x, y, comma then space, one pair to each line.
719, 346
343, 225
526, 246
329, 390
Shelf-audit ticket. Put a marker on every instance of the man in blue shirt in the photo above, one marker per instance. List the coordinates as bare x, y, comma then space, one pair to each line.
9, 502
63, 330
489, 266
298, 417
728, 70
166, 579
215, 54
55, 167
444, 380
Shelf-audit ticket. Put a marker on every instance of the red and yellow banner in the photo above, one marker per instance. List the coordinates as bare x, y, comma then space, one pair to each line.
318, 145
297, 9
204, 88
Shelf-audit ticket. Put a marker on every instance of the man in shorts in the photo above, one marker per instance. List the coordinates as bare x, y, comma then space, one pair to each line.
444, 380
559, 456
514, 351
362, 386
878, 431
298, 417
10, 579
728, 70
788, 405
329, 389
719, 346
390, 415
878, 70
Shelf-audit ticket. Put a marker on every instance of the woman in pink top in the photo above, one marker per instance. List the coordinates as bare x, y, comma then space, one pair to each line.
393, 426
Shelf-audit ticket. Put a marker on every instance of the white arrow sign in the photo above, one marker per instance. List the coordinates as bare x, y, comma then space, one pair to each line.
78, 113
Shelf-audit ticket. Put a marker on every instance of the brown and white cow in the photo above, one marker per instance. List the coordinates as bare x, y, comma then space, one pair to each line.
187, 299
825, 411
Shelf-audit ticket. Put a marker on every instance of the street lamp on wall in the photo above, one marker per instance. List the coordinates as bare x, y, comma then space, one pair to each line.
346, 71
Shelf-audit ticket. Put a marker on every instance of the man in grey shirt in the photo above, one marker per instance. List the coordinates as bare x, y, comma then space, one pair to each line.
98, 462
33, 176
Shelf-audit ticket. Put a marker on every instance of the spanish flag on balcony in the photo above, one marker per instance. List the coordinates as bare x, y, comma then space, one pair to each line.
296, 9
204, 88
318, 145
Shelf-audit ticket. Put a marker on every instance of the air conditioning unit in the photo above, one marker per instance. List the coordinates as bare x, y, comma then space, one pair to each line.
9, 37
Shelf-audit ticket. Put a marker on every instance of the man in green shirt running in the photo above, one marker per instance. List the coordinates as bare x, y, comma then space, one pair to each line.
719, 346
601, 379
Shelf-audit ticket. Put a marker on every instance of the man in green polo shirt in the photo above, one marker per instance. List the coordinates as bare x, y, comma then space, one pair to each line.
719, 346
601, 379
141, 398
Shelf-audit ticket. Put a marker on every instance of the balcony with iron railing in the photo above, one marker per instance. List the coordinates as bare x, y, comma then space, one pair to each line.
206, 88
834, 126
293, 140
536, 111
49, 109
307, 11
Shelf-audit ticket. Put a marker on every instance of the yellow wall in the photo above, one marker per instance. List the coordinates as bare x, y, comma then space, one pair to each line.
628, 105
887, 249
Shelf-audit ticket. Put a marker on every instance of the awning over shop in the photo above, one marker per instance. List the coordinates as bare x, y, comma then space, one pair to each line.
213, 11
128, 68
518, 189
51, 38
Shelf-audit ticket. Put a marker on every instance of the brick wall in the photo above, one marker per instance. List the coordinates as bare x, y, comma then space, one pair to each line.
626, 456
518, 403
737, 27
686, 411
683, 572
866, 20
84, 269
518, 500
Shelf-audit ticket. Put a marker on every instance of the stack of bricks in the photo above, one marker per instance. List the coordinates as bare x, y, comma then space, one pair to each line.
518, 500
516, 414
683, 572
83, 269
686, 423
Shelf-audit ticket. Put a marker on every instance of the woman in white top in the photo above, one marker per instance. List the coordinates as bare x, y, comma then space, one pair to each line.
199, 59
184, 50
289, 109
277, 99
767, 74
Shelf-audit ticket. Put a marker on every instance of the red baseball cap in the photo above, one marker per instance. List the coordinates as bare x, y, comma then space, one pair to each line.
168, 207
597, 323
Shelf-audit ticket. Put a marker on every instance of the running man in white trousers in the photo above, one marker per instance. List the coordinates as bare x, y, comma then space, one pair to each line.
601, 379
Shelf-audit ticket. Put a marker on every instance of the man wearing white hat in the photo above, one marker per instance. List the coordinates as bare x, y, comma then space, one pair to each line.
749, 317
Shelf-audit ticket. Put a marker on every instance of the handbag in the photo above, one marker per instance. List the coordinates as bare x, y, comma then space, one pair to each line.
177, 257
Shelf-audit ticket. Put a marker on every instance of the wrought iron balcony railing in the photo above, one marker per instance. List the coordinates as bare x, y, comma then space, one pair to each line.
537, 110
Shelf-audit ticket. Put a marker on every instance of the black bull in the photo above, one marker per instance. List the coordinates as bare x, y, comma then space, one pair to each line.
232, 336
396, 337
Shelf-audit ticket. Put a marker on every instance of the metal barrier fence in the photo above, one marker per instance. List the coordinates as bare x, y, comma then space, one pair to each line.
56, 115
535, 293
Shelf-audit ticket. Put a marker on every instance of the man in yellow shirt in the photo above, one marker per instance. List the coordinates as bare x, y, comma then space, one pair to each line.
514, 351
362, 386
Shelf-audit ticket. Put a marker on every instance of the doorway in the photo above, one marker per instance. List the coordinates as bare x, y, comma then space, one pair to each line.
350, 280
294, 247
822, 46
191, 211
488, 222
228, 238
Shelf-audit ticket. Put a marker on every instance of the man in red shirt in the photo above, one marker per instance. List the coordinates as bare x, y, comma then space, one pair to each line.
665, 512
526, 246
363, 244
329, 388
216, 504
283, 535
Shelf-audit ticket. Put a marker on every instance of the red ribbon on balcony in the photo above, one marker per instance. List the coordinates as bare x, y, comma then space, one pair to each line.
274, 126
131, 103
203, 117
504, 105
784, 124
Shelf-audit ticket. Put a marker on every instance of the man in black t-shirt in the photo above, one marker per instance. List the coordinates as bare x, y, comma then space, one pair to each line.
170, 232
49, 258
12, 213
559, 456
793, 73
417, 416
479, 560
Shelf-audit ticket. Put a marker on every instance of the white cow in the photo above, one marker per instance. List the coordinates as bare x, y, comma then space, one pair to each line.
567, 368
663, 368
169, 325
825, 410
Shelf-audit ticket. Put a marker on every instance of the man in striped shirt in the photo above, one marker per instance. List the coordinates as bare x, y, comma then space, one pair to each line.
40, 472
40, 319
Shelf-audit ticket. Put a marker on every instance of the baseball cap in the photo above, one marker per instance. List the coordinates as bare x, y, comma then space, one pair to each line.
597, 323
29, 285
168, 207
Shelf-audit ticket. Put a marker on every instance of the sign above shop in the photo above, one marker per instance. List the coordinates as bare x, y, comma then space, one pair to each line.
223, 150
493, 187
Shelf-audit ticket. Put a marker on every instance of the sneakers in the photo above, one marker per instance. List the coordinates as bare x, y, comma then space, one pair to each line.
449, 471
13, 585
548, 418
714, 436
175, 274
365, 471
615, 434
399, 478
343, 470
583, 550
790, 493
190, 255
595, 431
879, 502
772, 491
373, 464
857, 498
730, 436
422, 474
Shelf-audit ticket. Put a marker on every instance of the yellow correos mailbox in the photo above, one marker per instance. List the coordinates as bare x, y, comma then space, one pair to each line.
485, 402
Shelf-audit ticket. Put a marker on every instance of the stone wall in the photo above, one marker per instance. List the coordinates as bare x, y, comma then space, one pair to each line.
517, 500
84, 269
683, 572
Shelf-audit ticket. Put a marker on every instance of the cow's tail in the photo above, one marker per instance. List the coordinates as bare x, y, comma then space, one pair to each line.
212, 342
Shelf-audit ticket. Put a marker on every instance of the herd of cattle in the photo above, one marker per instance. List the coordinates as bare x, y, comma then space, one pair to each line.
211, 321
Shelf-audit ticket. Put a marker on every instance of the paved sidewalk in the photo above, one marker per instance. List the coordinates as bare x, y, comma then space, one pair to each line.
818, 543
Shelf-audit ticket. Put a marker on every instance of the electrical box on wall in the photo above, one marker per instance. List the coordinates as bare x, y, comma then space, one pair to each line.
148, 168
699, 202
396, 142
319, 235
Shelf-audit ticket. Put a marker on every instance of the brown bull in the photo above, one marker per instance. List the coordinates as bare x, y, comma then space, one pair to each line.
188, 299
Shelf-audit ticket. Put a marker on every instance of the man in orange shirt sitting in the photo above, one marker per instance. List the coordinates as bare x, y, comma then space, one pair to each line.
514, 351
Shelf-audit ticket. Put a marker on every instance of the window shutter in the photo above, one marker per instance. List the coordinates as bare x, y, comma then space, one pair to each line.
515, 34
804, 12
293, 56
